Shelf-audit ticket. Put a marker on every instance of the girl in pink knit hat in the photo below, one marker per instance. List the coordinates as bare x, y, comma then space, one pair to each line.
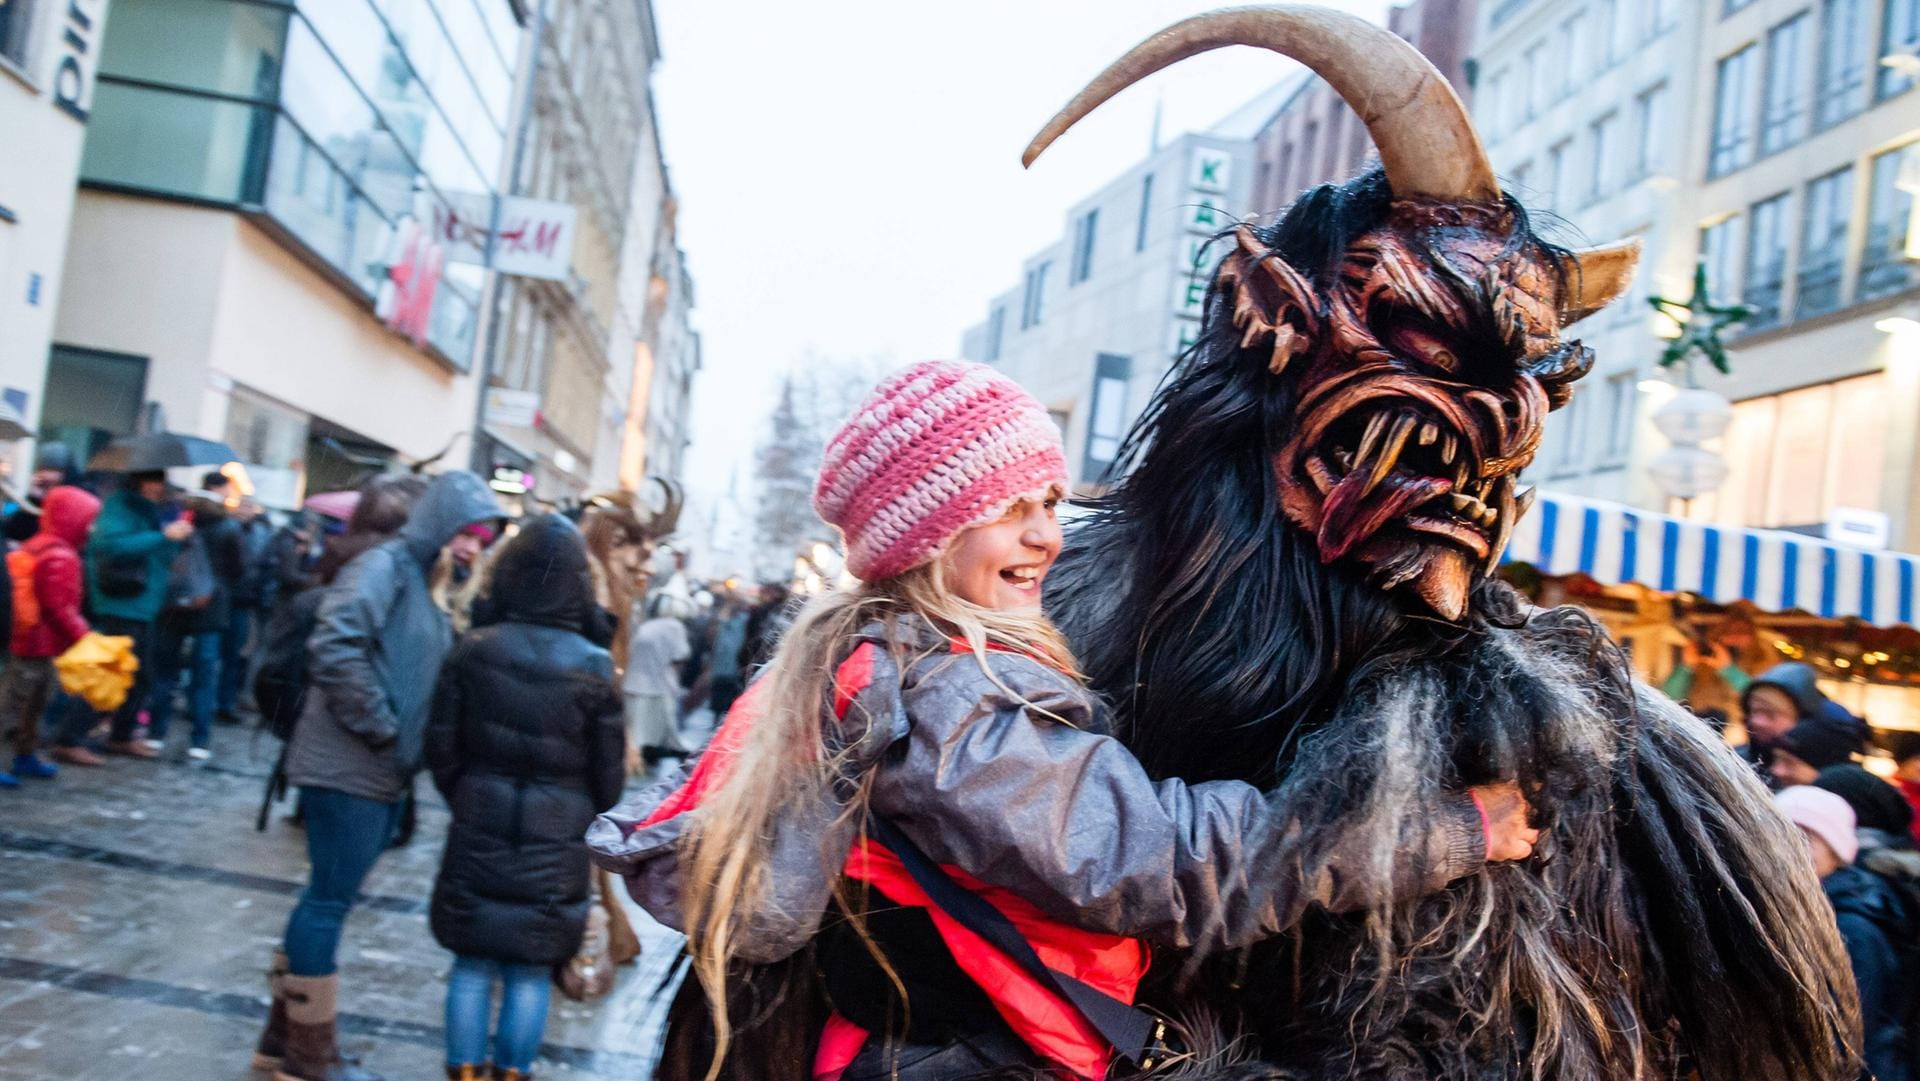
919, 799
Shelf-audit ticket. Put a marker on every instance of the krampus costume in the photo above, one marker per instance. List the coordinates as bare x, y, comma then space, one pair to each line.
1302, 552
1292, 586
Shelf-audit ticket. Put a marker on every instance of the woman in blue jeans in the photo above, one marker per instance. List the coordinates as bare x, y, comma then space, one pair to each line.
526, 742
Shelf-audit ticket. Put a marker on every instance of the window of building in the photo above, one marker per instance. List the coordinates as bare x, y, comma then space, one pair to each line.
1604, 140
996, 332
1733, 107
1623, 398
1556, 178
1823, 243
1521, 181
1107, 423
1899, 35
1719, 248
1493, 115
1573, 436
1783, 113
1309, 142
1794, 457
1146, 208
1663, 15
1649, 120
91, 397
16, 27
1606, 15
1884, 267
1541, 78
1573, 48
1084, 230
1728, 7
1033, 298
1766, 267
1840, 84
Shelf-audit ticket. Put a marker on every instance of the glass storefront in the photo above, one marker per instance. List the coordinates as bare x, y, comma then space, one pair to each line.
336, 118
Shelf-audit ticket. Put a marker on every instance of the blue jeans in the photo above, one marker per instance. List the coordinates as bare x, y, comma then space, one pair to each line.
523, 1012
205, 675
345, 834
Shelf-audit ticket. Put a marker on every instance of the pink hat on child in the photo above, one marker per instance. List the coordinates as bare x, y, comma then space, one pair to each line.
1823, 814
936, 449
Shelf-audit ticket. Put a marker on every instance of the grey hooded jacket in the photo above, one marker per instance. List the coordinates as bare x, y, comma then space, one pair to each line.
1013, 778
376, 649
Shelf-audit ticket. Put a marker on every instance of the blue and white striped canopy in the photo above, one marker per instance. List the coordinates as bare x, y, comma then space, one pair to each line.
1614, 544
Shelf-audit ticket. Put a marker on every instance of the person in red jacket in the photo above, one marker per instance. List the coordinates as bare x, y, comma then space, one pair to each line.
58, 588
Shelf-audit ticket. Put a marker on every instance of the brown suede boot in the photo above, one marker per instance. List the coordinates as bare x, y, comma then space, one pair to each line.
467, 1072
501, 1073
272, 1046
312, 1053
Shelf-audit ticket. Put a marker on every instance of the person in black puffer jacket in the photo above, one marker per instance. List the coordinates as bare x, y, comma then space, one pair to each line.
527, 744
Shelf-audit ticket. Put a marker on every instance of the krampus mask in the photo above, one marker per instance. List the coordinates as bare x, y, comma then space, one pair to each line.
1425, 363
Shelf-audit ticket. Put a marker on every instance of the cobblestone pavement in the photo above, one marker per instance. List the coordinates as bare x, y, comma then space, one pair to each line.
138, 907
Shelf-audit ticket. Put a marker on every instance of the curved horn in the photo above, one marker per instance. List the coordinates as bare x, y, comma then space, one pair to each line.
1427, 143
1596, 277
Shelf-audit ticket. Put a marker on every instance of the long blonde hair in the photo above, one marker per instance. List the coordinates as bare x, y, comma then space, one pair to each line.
785, 758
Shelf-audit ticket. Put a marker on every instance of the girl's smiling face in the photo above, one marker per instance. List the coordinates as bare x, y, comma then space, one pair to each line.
1003, 563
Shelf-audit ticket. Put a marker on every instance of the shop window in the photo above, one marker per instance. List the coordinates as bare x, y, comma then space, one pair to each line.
1884, 267
1733, 109
91, 397
1840, 85
1823, 243
1794, 457
271, 440
1766, 265
1783, 116
1107, 423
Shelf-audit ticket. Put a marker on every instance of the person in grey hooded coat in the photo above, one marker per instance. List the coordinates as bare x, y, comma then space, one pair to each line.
376, 647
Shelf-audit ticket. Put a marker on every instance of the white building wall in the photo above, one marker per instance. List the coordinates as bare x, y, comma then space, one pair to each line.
1564, 81
1140, 299
43, 106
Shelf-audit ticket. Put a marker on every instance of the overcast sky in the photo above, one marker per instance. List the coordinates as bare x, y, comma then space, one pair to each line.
849, 175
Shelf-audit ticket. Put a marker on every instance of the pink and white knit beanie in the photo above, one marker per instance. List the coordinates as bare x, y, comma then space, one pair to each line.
936, 449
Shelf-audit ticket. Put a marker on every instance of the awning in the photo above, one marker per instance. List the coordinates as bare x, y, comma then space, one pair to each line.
1615, 545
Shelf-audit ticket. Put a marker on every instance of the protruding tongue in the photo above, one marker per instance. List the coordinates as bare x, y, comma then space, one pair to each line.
1353, 513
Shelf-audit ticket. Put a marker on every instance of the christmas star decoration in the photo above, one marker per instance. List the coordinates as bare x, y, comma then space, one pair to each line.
1701, 323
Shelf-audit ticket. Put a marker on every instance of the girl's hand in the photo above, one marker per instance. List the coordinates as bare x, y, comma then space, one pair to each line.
1505, 810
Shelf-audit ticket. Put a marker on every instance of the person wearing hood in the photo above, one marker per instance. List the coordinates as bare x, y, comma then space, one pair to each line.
1874, 924
377, 642
527, 745
53, 466
1780, 698
1830, 737
66, 515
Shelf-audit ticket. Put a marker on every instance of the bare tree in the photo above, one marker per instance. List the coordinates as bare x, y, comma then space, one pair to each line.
814, 401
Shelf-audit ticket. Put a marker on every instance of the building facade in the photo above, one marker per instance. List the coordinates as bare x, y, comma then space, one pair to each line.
49, 53
1804, 146
1585, 107
1316, 138
588, 348
253, 248
1101, 313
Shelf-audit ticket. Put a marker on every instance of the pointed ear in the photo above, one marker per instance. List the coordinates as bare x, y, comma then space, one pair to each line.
1596, 277
1272, 303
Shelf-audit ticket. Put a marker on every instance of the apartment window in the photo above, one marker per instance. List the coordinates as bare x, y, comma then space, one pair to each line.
1649, 119
1521, 181
1717, 250
1733, 113
1823, 243
1146, 209
1884, 267
1573, 442
1542, 79
1783, 115
1557, 173
1605, 139
1495, 113
1840, 85
1573, 46
1606, 17
1899, 34
1107, 424
1083, 234
1728, 7
1623, 396
1309, 142
996, 332
1766, 269
1662, 15
1033, 298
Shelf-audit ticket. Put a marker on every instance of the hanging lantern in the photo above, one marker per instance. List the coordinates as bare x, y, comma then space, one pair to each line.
1693, 415
1684, 471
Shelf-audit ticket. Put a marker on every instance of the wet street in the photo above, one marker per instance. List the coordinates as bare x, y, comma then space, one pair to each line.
138, 907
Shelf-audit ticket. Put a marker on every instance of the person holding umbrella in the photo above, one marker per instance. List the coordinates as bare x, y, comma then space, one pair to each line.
127, 557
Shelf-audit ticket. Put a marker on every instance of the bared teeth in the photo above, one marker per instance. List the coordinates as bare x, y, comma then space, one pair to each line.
1463, 501
1449, 448
1428, 433
1375, 426
1321, 476
1389, 453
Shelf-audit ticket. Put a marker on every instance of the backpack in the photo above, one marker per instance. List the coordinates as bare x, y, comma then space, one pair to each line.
280, 682
191, 583
26, 602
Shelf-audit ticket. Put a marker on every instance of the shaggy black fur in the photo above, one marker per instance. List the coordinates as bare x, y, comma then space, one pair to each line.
1665, 926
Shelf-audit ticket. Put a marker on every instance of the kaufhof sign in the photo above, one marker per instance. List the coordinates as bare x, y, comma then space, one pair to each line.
1203, 216
529, 238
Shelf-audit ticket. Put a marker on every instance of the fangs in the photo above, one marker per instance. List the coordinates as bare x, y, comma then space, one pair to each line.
1486, 505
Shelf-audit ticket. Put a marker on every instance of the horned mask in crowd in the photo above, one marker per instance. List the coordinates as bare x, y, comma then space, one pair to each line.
1424, 362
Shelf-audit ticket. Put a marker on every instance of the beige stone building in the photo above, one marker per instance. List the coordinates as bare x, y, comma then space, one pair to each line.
1805, 152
